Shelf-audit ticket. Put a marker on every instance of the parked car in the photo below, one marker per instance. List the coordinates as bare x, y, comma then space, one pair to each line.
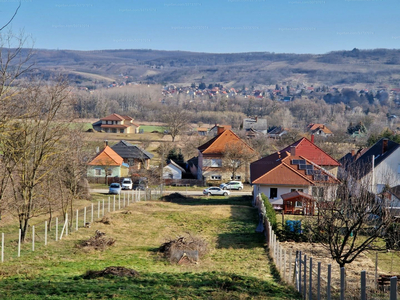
115, 188
127, 184
215, 191
232, 185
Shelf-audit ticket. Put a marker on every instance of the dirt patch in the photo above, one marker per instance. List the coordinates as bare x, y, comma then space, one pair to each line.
105, 220
111, 271
176, 198
97, 242
184, 249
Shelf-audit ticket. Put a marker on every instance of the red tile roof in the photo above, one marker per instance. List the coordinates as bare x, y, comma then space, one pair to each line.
278, 169
217, 144
107, 157
116, 117
312, 152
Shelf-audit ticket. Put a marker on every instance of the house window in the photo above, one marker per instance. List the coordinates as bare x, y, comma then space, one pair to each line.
216, 163
237, 177
121, 131
109, 122
299, 190
109, 172
273, 193
97, 172
113, 130
317, 192
215, 177
298, 204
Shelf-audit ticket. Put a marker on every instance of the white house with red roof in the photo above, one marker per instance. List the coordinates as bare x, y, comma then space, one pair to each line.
116, 123
302, 167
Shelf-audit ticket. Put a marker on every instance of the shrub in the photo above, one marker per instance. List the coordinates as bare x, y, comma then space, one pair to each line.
269, 211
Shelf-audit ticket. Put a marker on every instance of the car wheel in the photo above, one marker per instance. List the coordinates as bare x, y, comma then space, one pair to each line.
239, 188
208, 194
225, 194
224, 188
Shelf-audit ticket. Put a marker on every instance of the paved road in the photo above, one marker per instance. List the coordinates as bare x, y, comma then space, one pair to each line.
189, 193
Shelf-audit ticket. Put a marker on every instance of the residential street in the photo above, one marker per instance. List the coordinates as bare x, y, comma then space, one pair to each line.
189, 193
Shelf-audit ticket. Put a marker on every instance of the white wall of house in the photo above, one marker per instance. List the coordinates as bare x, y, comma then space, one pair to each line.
100, 171
388, 172
266, 189
172, 172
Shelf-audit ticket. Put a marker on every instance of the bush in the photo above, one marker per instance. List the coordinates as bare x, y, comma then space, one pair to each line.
269, 211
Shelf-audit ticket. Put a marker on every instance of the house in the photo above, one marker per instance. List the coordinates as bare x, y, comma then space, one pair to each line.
276, 132
376, 167
107, 163
116, 124
286, 172
222, 156
319, 129
202, 131
173, 170
133, 155
256, 124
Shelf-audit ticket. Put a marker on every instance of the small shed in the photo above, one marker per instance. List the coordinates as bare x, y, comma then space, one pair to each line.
298, 203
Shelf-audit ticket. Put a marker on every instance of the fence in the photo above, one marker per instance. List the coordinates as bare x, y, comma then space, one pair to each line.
313, 280
42, 234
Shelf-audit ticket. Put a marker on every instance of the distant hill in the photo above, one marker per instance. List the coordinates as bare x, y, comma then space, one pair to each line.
347, 68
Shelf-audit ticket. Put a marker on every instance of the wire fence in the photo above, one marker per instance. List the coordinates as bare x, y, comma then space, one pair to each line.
314, 280
47, 232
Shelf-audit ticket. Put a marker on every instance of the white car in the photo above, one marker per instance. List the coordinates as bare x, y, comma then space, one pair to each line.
216, 191
232, 185
115, 188
126, 184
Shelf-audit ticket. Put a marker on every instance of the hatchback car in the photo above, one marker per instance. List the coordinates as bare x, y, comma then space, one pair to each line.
127, 184
215, 191
115, 188
232, 185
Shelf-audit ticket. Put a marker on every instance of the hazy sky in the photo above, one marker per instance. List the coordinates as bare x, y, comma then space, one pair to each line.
295, 26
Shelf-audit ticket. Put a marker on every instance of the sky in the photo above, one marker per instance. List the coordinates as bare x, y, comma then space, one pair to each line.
221, 26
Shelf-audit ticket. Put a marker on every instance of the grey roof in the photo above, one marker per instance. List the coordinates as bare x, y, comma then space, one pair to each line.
127, 150
361, 165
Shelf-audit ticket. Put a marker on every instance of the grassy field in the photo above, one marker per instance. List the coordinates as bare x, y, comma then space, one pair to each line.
235, 267
150, 128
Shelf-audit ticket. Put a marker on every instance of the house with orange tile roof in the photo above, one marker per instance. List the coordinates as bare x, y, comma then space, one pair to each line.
116, 123
319, 129
214, 165
301, 167
107, 163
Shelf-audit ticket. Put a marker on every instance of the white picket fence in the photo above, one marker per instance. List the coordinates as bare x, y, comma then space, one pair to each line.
308, 276
82, 218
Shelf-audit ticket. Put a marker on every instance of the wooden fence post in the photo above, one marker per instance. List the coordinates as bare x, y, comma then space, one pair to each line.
305, 277
66, 222
45, 233
114, 204
98, 210
342, 282
84, 217
363, 285
290, 263
104, 212
77, 220
91, 218
119, 201
19, 242
310, 281
319, 282
56, 229
300, 274
284, 264
2, 247
393, 288
328, 283
33, 238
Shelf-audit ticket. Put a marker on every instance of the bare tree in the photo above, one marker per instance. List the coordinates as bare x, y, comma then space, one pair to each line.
32, 143
236, 156
176, 121
350, 222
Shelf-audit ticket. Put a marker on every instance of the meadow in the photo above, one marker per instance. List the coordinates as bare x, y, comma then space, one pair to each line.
236, 265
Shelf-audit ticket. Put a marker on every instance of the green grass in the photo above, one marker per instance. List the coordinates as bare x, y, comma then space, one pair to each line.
150, 128
235, 267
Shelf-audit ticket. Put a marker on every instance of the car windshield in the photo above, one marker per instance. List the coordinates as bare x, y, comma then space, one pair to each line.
114, 185
126, 181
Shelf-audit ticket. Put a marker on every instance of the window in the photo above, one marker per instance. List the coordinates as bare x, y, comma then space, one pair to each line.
114, 130
317, 192
237, 177
109, 122
215, 177
298, 204
97, 172
299, 190
273, 193
121, 131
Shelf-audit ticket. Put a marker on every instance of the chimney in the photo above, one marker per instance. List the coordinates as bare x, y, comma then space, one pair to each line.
385, 143
105, 143
292, 151
312, 138
220, 129
353, 152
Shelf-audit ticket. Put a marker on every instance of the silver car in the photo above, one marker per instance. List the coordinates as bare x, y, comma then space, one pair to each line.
215, 191
115, 188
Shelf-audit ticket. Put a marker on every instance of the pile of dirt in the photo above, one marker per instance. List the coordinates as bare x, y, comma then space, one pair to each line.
97, 242
184, 249
177, 198
113, 271
105, 220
